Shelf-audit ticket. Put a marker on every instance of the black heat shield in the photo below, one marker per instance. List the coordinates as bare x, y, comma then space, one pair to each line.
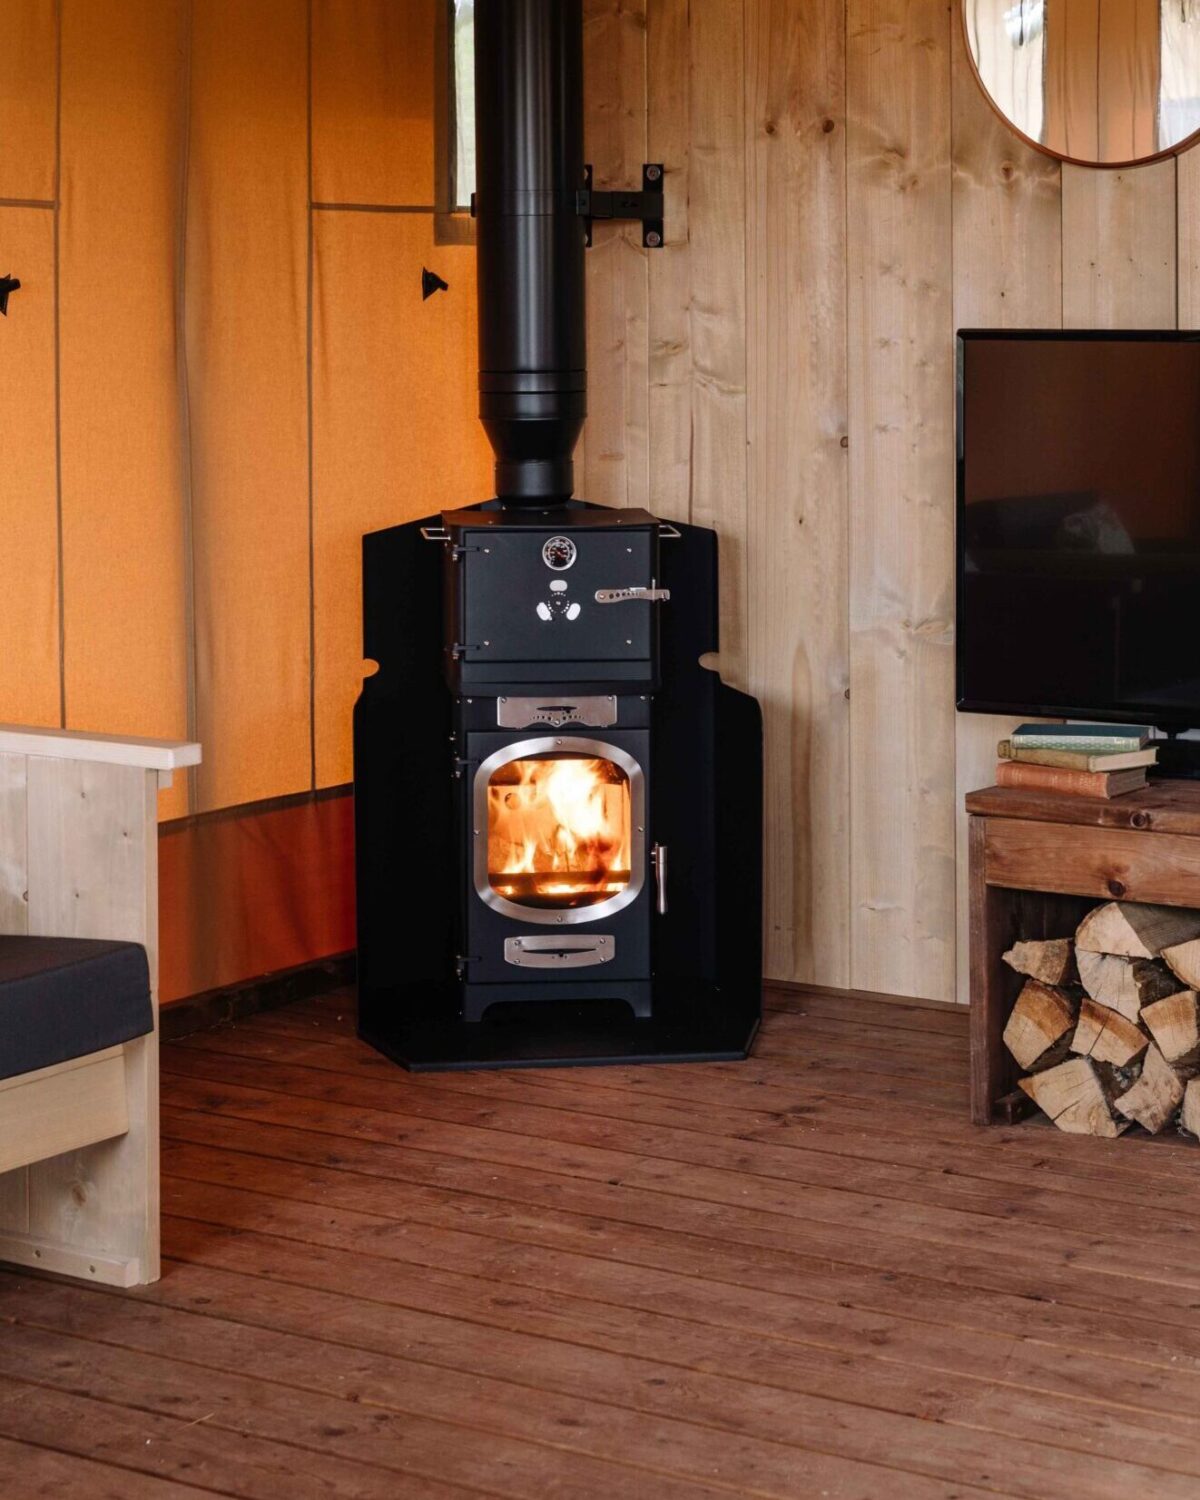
707, 798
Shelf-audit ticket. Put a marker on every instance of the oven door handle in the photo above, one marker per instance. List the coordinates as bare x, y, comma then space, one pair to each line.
635, 591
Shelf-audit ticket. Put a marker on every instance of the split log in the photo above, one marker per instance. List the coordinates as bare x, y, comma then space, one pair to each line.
1174, 1024
1041, 1018
1074, 1098
1106, 1036
1136, 931
1156, 1095
1184, 961
1048, 961
1190, 1119
1123, 984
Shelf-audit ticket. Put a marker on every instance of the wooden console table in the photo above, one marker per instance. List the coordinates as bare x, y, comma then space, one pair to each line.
1039, 862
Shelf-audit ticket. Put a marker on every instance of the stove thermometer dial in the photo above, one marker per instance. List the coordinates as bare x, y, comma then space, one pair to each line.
559, 553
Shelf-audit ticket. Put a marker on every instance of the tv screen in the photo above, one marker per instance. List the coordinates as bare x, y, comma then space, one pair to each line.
1079, 525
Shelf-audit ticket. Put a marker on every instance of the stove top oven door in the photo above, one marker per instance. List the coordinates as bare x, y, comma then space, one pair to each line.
561, 888
532, 606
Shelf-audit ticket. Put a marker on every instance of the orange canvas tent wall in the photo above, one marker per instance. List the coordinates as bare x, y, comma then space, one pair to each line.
217, 374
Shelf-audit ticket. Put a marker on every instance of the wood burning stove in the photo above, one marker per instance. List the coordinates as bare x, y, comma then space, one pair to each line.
558, 808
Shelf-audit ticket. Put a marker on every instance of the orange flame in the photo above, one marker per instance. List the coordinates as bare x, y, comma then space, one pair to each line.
559, 830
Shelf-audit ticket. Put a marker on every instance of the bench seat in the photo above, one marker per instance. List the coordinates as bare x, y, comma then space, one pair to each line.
64, 998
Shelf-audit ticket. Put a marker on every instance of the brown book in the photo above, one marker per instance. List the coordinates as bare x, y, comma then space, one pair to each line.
1078, 760
1101, 784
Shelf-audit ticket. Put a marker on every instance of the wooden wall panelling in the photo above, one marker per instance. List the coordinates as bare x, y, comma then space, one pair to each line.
717, 230
901, 372
1119, 247
669, 401
797, 525
372, 101
28, 100
394, 429
30, 683
615, 468
14, 910
14, 918
123, 528
246, 293
1187, 184
92, 872
1007, 212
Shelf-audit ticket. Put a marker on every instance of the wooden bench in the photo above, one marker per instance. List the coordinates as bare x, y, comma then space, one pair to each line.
79, 1140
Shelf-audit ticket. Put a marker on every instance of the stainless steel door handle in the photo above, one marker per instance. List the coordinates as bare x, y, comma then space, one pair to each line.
651, 595
658, 856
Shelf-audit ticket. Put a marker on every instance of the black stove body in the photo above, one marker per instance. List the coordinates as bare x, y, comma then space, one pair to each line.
558, 807
484, 664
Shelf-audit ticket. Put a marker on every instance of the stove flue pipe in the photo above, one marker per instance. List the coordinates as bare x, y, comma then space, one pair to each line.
530, 242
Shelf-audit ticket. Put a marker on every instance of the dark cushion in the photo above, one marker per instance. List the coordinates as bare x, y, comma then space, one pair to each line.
65, 997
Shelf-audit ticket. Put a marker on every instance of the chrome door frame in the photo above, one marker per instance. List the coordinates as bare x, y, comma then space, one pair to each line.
547, 745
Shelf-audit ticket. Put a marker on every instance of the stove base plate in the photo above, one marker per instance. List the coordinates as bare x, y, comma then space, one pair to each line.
687, 1027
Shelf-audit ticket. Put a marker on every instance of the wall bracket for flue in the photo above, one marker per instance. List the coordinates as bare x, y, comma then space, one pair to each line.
646, 206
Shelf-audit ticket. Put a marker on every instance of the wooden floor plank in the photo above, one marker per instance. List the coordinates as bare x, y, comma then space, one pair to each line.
90, 1423
1049, 1300
563, 1318
276, 1374
804, 1274
830, 1368
908, 1200
846, 1128
45, 1474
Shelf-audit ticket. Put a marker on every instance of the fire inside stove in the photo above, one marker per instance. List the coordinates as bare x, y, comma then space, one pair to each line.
559, 830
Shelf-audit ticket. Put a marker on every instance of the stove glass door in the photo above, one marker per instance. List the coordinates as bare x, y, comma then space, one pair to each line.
558, 829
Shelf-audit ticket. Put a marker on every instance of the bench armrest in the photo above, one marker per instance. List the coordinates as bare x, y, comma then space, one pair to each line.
163, 756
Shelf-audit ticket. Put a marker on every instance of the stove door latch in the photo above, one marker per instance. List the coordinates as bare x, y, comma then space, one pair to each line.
658, 857
651, 595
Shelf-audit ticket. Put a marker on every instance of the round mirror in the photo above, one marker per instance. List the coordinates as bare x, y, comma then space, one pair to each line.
1100, 82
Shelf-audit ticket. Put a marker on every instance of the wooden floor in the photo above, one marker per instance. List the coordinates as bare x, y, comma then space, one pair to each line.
804, 1275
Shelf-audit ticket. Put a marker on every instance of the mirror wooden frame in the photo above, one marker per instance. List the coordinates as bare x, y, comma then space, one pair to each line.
1060, 156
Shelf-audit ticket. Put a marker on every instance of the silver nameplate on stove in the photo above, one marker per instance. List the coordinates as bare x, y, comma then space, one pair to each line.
559, 950
522, 713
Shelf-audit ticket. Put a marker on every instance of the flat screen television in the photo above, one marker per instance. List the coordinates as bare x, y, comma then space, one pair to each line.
1078, 525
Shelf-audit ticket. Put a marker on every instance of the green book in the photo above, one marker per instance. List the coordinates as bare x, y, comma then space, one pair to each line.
1096, 739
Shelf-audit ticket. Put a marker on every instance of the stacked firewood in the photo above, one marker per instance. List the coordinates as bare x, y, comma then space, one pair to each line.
1107, 1024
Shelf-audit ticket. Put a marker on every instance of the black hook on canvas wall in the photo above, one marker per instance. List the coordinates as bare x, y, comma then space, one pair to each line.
8, 285
431, 282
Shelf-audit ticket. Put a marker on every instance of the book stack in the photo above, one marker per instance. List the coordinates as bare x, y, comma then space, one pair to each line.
1082, 760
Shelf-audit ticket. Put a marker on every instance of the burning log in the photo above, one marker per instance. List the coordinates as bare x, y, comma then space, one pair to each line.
1156, 1095
1074, 1098
1049, 961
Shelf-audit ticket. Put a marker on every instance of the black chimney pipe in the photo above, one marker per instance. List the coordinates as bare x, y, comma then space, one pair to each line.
530, 242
